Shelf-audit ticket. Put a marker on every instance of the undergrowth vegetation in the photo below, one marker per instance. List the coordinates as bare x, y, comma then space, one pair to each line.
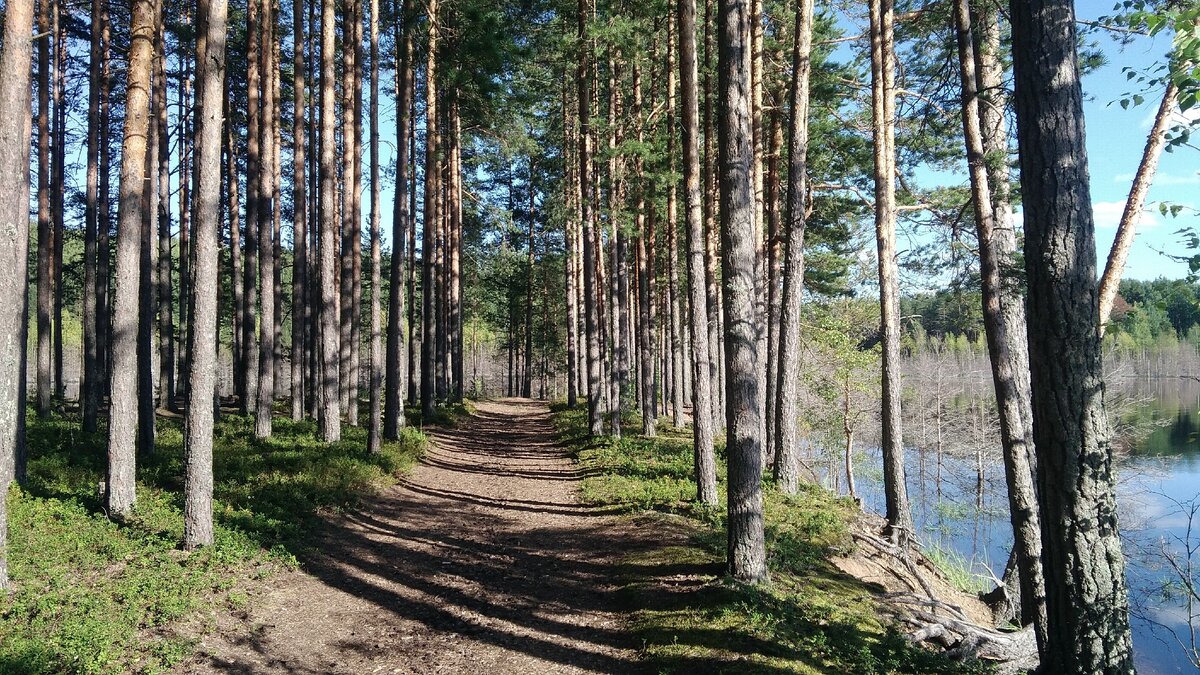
811, 617
95, 596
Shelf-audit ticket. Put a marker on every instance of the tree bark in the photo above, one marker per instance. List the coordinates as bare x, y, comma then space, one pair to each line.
266, 216
45, 234
198, 478
588, 220
1006, 345
1110, 281
299, 216
123, 410
411, 278
702, 428
531, 261
393, 409
716, 346
235, 250
330, 418
14, 243
883, 99
428, 245
455, 271
570, 197
91, 386
103, 214
375, 388
747, 557
774, 208
787, 415
57, 192
250, 265
165, 301
147, 295
1086, 599
673, 292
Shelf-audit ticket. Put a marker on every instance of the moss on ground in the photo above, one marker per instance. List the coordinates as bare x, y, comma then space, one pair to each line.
686, 612
95, 596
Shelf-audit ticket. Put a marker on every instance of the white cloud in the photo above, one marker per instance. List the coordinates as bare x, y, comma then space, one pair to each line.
1163, 179
1178, 117
1108, 215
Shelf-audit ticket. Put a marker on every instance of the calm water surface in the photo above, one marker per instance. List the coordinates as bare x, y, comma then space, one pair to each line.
1158, 494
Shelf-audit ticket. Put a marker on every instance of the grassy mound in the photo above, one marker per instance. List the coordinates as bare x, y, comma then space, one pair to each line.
690, 617
94, 596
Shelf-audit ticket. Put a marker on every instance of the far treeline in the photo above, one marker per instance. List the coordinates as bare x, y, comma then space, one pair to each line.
638, 202
1145, 315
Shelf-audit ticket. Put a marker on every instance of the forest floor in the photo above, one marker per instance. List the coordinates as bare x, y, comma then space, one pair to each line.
482, 560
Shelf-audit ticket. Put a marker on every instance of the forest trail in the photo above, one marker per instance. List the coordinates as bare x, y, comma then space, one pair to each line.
482, 561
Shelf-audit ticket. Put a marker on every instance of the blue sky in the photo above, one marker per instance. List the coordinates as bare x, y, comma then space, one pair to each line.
1116, 138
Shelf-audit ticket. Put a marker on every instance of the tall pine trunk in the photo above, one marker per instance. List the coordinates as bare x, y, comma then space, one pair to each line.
328, 374
1087, 605
747, 556
588, 224
429, 234
702, 427
375, 385
250, 265
787, 415
123, 411
266, 215
1007, 346
198, 478
393, 408
90, 392
883, 105
45, 234
14, 242
300, 262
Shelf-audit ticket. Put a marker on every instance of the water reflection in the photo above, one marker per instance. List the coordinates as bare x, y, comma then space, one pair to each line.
960, 509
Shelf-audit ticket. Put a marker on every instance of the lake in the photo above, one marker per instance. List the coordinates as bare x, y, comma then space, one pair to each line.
962, 518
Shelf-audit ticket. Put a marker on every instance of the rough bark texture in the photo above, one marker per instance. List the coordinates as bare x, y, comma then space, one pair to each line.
1110, 281
883, 98
45, 236
1086, 599
747, 557
198, 478
428, 285
455, 271
1006, 343
644, 250
571, 250
103, 213
14, 243
266, 226
147, 296
300, 261
702, 428
351, 226
375, 387
91, 386
588, 220
787, 415
330, 418
249, 368
393, 409
123, 410
166, 322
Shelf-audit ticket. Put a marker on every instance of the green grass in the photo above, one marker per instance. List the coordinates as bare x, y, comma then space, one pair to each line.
810, 618
957, 570
95, 596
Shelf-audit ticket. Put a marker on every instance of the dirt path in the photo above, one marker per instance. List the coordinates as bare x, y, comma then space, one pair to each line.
483, 561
